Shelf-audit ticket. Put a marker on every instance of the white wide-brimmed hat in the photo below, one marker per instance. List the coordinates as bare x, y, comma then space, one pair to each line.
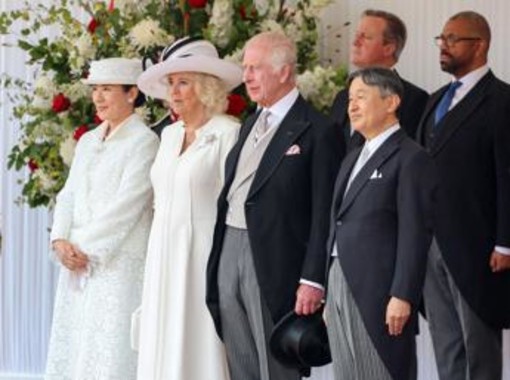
114, 71
188, 55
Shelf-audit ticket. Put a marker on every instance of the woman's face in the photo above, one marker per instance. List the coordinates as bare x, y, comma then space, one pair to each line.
113, 103
182, 96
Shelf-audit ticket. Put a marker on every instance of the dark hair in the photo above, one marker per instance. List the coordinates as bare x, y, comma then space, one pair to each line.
386, 80
140, 98
395, 30
479, 23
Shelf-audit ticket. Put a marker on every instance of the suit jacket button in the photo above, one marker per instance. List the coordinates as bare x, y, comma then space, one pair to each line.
249, 204
338, 222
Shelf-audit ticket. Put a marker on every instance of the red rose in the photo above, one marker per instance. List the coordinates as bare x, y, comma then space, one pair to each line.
236, 105
197, 3
60, 103
97, 119
32, 165
93, 24
242, 12
244, 16
80, 131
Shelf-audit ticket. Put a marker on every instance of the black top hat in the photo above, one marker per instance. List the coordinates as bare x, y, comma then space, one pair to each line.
301, 341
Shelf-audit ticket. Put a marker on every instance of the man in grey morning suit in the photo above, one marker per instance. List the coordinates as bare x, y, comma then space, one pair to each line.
466, 129
269, 248
380, 232
379, 40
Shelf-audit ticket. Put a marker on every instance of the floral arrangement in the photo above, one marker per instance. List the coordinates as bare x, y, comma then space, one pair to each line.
55, 109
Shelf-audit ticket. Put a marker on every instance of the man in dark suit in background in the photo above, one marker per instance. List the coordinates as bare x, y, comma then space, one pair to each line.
380, 233
269, 249
466, 129
379, 40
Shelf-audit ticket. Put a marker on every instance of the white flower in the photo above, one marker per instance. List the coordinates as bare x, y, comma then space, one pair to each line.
236, 57
220, 23
143, 112
262, 6
67, 148
76, 91
128, 50
316, 6
206, 139
81, 51
84, 46
318, 86
44, 90
131, 6
148, 33
41, 102
45, 181
271, 26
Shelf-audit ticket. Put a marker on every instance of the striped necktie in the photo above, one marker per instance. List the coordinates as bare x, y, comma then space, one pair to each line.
262, 125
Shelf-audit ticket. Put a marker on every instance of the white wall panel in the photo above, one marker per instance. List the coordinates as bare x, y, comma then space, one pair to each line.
424, 19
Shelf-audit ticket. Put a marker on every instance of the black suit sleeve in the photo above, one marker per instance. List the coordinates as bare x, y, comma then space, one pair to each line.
415, 202
502, 167
412, 108
328, 152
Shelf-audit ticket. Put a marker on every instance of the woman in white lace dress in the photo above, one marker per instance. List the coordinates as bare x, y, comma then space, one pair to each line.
99, 236
177, 339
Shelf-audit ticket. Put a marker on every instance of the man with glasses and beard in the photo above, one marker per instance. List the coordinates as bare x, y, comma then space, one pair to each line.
465, 129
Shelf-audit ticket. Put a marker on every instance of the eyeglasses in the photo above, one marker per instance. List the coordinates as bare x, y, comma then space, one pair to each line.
451, 40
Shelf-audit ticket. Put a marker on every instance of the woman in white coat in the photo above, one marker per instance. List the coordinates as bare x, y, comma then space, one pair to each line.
177, 339
101, 225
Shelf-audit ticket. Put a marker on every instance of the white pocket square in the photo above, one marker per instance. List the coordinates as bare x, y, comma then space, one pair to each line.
294, 149
376, 174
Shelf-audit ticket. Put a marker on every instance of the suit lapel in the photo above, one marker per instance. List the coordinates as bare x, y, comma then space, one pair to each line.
461, 112
431, 106
386, 150
343, 177
291, 127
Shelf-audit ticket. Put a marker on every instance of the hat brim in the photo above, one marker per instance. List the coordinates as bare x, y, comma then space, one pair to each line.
127, 82
290, 328
154, 82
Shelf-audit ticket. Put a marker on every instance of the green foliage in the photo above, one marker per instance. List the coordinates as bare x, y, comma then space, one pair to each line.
54, 107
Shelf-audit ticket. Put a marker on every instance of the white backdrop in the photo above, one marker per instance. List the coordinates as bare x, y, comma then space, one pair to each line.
27, 278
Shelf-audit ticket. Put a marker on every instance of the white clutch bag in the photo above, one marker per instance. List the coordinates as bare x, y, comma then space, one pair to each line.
135, 328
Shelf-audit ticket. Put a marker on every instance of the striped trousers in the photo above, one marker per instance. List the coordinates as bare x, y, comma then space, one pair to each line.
354, 356
245, 319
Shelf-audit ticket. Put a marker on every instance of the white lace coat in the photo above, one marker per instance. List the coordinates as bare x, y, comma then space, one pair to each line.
105, 209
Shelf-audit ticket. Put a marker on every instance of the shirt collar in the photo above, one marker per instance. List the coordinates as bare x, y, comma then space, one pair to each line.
468, 82
282, 106
374, 144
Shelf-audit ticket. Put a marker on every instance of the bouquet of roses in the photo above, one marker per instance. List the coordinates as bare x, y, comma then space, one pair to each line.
55, 110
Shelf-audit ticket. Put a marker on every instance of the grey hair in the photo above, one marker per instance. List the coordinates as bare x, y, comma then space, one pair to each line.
395, 31
281, 48
387, 81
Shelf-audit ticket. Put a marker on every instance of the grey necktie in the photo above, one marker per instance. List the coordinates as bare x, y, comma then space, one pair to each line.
262, 125
362, 160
